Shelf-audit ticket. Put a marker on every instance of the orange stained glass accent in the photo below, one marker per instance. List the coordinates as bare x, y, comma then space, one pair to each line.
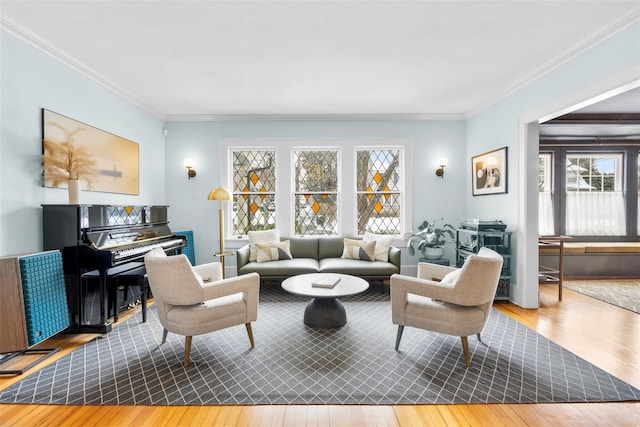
253, 207
324, 196
306, 196
254, 178
315, 207
378, 207
369, 189
386, 188
245, 196
377, 177
263, 190
128, 209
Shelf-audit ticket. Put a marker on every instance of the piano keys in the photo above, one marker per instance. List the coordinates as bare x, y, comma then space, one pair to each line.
106, 238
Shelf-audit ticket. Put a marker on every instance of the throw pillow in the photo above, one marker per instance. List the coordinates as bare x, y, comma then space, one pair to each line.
450, 277
273, 251
383, 244
265, 236
359, 249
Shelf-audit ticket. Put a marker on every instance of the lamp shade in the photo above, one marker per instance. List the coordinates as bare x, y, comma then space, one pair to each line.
220, 193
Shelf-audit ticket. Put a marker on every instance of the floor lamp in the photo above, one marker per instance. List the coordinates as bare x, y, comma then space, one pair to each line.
221, 194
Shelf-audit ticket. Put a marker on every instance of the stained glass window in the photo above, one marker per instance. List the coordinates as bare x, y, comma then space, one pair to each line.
378, 191
315, 178
254, 190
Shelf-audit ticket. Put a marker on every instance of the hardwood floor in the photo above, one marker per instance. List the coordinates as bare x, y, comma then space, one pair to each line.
605, 335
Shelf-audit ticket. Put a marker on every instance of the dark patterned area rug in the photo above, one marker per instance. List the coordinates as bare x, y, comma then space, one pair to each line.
294, 364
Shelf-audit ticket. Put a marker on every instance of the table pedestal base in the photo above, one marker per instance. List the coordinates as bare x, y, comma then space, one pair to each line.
325, 313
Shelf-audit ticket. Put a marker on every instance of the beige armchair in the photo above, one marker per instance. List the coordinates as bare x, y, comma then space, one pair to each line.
447, 300
196, 300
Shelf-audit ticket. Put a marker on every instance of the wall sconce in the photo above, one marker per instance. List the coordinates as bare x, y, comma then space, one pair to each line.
191, 172
442, 163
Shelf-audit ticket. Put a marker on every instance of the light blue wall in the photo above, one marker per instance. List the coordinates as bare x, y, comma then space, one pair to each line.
433, 197
31, 80
610, 64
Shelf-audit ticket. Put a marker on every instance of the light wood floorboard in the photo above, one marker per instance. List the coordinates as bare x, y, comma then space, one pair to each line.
604, 335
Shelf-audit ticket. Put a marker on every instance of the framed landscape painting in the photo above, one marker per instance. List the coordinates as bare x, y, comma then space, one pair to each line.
489, 172
100, 160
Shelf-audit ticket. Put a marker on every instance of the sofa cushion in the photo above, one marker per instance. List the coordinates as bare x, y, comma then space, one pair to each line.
273, 251
330, 247
356, 267
282, 268
383, 244
302, 247
262, 236
359, 249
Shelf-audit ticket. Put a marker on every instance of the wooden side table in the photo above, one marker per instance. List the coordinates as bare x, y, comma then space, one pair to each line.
222, 255
551, 275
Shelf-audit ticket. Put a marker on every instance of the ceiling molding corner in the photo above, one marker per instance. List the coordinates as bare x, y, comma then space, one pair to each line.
596, 38
42, 45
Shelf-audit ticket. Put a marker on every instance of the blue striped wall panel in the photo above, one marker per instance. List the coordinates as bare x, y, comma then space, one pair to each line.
45, 298
189, 250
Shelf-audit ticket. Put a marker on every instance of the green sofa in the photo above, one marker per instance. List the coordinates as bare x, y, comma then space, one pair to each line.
318, 255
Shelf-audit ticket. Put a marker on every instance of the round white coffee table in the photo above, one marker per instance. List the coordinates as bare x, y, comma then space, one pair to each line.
325, 311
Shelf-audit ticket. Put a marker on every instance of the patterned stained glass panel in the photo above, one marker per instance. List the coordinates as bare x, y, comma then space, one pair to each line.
379, 214
316, 171
378, 170
253, 212
315, 214
254, 171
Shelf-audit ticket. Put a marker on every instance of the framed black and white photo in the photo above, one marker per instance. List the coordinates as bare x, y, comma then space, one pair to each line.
489, 172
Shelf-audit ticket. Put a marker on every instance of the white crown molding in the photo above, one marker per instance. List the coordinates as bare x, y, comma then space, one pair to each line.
39, 43
603, 34
302, 117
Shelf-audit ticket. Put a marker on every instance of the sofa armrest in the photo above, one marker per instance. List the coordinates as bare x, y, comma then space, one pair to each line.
242, 257
394, 256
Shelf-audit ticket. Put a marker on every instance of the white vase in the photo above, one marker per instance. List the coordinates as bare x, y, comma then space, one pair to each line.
74, 191
433, 253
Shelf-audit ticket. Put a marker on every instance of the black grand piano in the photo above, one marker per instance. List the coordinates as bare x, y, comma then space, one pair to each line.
102, 241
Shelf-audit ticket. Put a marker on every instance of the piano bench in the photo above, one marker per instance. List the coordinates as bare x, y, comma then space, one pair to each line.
118, 276
135, 277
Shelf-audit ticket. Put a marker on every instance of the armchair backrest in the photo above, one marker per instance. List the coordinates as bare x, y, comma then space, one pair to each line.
172, 278
478, 278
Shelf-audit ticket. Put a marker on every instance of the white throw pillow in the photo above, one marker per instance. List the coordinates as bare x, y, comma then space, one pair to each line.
383, 244
273, 251
263, 236
451, 277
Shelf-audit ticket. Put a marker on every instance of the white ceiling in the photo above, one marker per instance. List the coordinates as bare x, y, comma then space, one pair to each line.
212, 59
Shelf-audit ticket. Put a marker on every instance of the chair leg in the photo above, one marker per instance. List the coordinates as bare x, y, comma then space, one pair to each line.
250, 333
164, 336
399, 336
187, 350
465, 349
